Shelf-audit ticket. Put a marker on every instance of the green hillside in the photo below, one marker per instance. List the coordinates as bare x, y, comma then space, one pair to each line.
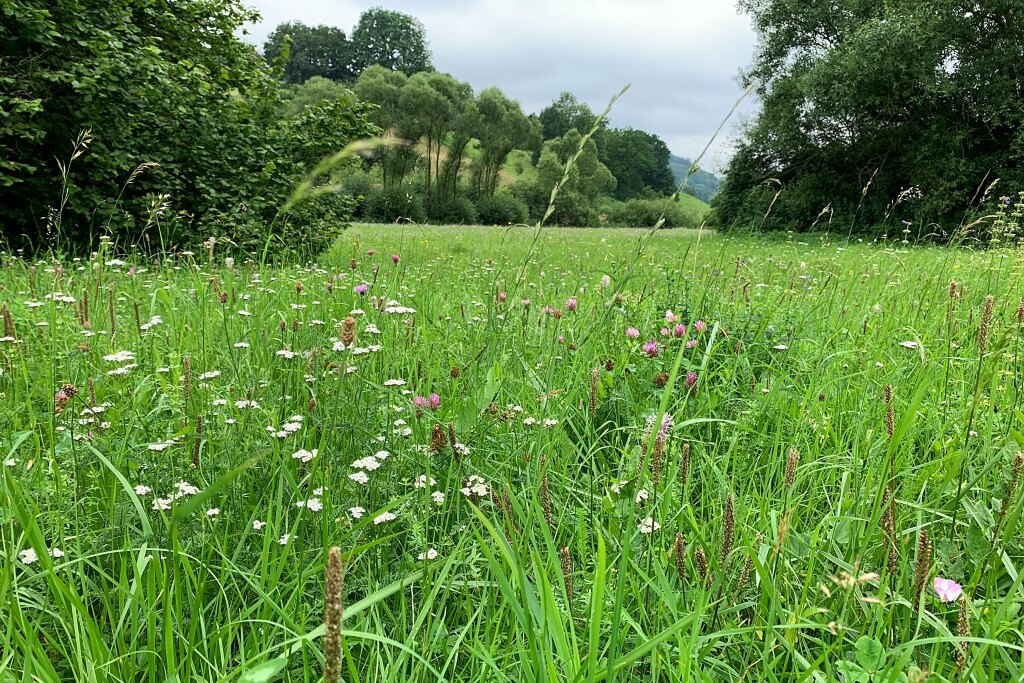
703, 184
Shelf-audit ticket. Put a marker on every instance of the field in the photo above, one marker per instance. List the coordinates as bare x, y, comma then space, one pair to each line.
567, 455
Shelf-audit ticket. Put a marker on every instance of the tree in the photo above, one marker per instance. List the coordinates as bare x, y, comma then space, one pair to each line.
564, 114
844, 124
639, 162
314, 91
503, 127
383, 87
588, 180
165, 83
394, 40
311, 51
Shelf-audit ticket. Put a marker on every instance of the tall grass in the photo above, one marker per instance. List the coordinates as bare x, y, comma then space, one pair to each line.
561, 561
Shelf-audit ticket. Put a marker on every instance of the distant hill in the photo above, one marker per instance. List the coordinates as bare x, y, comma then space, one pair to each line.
703, 184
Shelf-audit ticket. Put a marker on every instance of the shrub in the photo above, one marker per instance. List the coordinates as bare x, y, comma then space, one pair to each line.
644, 213
458, 210
391, 206
501, 208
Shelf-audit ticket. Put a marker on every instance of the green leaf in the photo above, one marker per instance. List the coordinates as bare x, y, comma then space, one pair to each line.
261, 673
870, 653
852, 673
977, 543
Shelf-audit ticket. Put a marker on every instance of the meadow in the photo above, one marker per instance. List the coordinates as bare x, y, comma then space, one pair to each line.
556, 455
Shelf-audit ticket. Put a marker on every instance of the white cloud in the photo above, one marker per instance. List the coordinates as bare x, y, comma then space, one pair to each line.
681, 57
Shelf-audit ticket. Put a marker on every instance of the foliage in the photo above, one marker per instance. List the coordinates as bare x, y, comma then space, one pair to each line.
588, 180
458, 210
308, 51
394, 206
502, 128
846, 128
501, 208
162, 83
639, 161
315, 90
564, 114
645, 213
394, 40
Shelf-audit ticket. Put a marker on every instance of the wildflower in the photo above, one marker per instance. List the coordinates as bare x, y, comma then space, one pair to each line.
700, 326
431, 554
55, 553
605, 281
357, 512
691, 380
286, 353
422, 482
213, 512
437, 497
185, 489
212, 374
780, 347
359, 477
550, 422
475, 486
360, 289
909, 344
383, 517
632, 332
642, 495
648, 526
671, 317
304, 455
258, 525
947, 589
163, 445
650, 349
394, 382
246, 404
571, 304
679, 330
369, 463
394, 258
142, 490
28, 556
162, 504
690, 343
313, 504
284, 539
120, 357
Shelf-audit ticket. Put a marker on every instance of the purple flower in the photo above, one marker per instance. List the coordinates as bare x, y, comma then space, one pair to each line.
394, 258
679, 330
700, 326
671, 317
665, 332
435, 401
691, 380
561, 339
420, 402
690, 343
632, 332
502, 296
371, 252
360, 289
651, 348
571, 303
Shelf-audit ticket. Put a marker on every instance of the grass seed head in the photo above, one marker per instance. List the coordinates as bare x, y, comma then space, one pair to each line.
332, 616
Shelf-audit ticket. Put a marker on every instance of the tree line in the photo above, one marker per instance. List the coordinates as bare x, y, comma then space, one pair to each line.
156, 122
904, 117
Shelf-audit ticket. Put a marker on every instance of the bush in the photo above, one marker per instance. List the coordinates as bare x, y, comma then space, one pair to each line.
501, 208
644, 213
392, 206
458, 210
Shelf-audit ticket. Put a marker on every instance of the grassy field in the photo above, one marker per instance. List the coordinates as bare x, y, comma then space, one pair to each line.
574, 455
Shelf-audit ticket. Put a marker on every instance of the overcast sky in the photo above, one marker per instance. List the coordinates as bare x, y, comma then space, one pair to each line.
681, 57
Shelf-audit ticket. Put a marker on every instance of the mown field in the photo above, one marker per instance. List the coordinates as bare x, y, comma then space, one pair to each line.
573, 455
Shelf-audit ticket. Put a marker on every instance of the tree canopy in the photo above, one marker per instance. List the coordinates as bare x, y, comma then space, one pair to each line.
848, 128
308, 51
185, 122
391, 39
